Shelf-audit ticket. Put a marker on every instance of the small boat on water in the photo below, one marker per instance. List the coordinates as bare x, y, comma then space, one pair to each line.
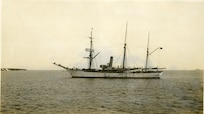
109, 71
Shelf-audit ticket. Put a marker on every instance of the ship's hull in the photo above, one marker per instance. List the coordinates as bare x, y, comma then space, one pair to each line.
128, 75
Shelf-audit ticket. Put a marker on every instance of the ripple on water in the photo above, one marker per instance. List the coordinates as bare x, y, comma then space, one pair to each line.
52, 92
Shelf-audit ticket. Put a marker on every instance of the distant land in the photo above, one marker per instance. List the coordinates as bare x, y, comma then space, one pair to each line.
12, 69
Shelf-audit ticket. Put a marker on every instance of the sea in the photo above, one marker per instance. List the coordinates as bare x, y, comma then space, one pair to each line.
55, 92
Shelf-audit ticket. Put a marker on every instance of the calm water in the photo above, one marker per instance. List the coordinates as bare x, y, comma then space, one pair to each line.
54, 92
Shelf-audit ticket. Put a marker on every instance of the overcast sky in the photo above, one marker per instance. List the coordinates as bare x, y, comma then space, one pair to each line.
36, 33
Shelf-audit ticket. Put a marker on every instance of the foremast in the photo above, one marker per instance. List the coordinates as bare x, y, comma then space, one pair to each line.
91, 51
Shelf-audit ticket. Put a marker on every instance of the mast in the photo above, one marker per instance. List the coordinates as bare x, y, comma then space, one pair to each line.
124, 55
147, 57
91, 50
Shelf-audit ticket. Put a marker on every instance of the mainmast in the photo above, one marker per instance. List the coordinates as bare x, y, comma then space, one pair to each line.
147, 57
124, 55
91, 50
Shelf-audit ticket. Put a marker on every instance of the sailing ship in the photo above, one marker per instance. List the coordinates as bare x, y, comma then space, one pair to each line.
109, 71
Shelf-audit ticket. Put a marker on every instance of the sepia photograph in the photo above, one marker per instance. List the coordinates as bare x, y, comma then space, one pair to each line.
102, 56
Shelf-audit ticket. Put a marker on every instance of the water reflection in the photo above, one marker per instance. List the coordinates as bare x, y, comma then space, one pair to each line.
54, 92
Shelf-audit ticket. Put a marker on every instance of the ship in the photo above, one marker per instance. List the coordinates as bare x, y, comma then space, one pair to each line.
109, 71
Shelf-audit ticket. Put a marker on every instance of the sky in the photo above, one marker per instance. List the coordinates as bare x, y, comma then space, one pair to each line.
36, 33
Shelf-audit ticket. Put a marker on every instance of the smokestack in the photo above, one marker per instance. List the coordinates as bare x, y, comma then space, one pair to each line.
111, 61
